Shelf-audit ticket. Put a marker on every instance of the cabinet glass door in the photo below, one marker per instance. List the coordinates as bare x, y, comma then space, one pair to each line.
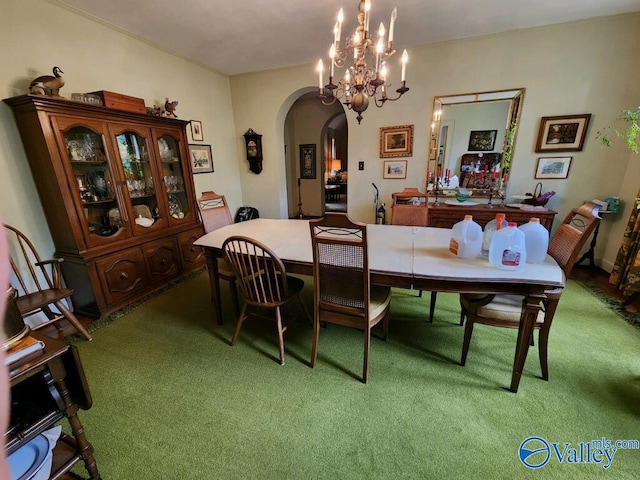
140, 180
93, 181
173, 172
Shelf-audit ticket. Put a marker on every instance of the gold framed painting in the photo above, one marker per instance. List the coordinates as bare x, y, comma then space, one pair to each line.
396, 141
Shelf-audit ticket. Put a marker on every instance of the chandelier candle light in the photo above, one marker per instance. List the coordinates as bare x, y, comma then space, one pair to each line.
360, 82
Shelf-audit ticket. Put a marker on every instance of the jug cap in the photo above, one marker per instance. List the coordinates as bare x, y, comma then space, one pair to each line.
534, 220
468, 217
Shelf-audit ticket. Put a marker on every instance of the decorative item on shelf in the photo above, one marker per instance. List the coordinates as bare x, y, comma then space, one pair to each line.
538, 198
88, 98
98, 183
47, 84
170, 108
361, 81
253, 143
462, 195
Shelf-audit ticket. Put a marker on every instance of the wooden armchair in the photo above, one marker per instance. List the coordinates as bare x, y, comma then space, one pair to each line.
504, 310
263, 282
39, 284
342, 291
215, 214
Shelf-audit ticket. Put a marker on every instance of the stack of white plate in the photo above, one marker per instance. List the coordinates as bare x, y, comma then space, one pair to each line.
33, 460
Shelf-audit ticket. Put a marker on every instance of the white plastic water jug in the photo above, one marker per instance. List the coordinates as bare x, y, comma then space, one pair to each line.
466, 238
508, 250
536, 240
495, 224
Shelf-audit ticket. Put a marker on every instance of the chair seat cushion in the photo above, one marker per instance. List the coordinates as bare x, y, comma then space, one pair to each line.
506, 308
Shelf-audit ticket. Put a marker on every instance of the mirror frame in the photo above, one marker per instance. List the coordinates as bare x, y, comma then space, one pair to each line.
516, 95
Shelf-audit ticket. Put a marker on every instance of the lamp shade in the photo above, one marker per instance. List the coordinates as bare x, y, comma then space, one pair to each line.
336, 164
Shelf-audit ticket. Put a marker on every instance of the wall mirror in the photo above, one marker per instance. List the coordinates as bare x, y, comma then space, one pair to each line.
472, 140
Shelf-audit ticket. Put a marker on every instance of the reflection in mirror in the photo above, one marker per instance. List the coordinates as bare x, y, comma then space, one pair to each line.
472, 140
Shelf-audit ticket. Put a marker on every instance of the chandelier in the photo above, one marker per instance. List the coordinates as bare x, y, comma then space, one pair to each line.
366, 77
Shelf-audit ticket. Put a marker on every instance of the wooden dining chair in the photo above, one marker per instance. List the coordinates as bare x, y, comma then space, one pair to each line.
263, 282
215, 213
404, 212
40, 285
504, 310
343, 293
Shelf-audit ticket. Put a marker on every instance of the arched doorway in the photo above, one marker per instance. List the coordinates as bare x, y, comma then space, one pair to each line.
309, 127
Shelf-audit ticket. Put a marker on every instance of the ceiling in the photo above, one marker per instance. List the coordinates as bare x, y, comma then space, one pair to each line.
243, 36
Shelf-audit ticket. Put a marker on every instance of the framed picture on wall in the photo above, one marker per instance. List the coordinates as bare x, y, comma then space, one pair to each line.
201, 158
396, 141
565, 133
557, 167
196, 131
308, 160
482, 140
395, 169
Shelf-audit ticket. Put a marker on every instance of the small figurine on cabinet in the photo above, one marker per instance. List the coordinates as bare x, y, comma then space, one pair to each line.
47, 84
170, 108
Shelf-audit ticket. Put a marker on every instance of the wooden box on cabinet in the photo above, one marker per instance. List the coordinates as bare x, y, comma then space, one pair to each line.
117, 191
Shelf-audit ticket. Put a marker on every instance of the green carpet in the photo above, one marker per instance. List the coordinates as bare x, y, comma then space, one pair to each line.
172, 399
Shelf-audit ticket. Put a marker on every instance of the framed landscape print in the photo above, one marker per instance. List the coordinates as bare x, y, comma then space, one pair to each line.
482, 140
565, 133
396, 141
308, 160
553, 167
395, 169
201, 158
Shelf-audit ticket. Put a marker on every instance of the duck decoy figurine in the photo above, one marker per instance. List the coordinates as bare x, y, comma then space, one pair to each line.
170, 108
47, 84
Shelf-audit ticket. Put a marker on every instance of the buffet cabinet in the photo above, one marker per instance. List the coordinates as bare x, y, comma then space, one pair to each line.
446, 216
117, 191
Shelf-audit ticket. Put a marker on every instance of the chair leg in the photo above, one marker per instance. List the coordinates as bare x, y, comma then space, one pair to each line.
543, 340
234, 297
385, 326
463, 313
367, 344
432, 305
468, 331
73, 320
316, 336
280, 335
304, 309
420, 293
241, 317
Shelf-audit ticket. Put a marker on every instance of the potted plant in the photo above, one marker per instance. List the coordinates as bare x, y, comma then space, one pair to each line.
631, 133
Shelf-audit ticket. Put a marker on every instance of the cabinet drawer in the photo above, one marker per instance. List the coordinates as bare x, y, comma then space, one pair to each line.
122, 274
163, 259
192, 256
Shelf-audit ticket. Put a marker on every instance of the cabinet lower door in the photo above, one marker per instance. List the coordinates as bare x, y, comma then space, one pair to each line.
163, 259
121, 275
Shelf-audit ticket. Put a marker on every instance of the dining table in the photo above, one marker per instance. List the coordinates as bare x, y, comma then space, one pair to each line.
403, 257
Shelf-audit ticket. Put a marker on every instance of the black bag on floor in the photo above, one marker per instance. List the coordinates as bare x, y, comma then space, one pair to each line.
246, 213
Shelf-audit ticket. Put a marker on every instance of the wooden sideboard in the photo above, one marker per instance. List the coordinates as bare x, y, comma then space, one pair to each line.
446, 216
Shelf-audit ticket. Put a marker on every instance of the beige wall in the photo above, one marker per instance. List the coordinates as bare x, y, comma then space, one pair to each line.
35, 35
583, 67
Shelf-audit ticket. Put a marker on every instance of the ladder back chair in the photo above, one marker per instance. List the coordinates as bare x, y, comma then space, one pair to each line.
263, 282
39, 284
404, 212
504, 310
343, 294
215, 213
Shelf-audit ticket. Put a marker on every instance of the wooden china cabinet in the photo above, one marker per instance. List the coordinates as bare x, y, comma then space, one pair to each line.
117, 191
